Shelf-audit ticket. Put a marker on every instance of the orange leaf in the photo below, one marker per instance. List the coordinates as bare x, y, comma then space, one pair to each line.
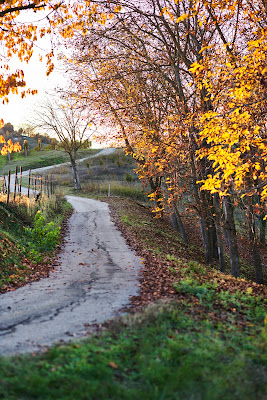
113, 365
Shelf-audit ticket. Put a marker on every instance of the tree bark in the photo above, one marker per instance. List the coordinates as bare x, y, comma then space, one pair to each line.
217, 220
254, 245
155, 184
262, 229
178, 225
76, 179
229, 225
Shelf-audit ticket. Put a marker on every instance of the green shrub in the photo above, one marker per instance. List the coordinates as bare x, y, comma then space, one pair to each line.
128, 177
40, 239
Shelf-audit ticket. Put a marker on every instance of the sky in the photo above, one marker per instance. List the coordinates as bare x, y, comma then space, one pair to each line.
19, 111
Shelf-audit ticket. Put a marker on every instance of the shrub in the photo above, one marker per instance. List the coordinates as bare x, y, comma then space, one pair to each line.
40, 239
128, 177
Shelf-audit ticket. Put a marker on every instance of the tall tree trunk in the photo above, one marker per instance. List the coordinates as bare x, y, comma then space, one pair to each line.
178, 225
76, 179
262, 228
217, 220
229, 225
204, 223
254, 245
155, 184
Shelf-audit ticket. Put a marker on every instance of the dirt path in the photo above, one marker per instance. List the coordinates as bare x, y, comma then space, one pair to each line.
96, 274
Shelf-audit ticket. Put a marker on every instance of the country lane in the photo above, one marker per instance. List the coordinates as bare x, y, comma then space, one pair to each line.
95, 276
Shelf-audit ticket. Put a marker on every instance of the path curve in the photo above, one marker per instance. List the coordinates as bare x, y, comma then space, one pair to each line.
96, 275
24, 190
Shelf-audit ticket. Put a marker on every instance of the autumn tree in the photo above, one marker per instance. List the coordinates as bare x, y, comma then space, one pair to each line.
18, 38
26, 147
8, 147
70, 122
167, 41
198, 48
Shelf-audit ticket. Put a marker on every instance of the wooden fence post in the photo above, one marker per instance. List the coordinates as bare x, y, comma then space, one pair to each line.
29, 183
53, 183
8, 187
15, 186
4, 185
47, 180
35, 182
20, 179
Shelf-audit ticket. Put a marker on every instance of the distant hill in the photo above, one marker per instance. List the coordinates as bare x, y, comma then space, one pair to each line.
22, 134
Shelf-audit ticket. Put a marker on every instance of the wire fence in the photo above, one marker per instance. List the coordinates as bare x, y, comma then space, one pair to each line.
33, 184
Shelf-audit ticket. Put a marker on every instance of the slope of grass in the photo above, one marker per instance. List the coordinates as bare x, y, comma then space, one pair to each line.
206, 341
113, 174
38, 159
23, 256
163, 353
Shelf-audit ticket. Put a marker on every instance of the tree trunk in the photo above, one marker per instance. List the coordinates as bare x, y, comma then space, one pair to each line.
204, 225
262, 228
229, 225
254, 246
204, 205
178, 225
76, 179
217, 220
155, 184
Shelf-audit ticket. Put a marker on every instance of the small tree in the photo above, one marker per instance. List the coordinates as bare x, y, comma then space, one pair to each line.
26, 148
53, 144
39, 146
9, 147
70, 122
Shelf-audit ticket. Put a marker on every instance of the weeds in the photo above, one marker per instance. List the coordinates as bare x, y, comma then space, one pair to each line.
29, 233
117, 188
41, 239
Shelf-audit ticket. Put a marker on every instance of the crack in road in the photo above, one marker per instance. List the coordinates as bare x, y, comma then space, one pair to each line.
95, 276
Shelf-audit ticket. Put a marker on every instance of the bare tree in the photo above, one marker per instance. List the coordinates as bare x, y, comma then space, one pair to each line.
70, 122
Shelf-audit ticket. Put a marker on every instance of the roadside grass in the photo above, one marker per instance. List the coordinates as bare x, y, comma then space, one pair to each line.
108, 174
202, 337
27, 244
166, 240
166, 352
38, 159
115, 188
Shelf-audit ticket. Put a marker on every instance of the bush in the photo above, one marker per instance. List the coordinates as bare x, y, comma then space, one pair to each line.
128, 178
40, 239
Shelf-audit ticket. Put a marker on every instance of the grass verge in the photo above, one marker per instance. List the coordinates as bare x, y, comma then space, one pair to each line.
38, 159
28, 243
163, 353
206, 341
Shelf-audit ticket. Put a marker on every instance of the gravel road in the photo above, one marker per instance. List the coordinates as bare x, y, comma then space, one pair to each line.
95, 276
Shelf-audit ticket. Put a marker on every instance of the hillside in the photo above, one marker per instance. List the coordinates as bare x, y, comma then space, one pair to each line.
25, 255
192, 332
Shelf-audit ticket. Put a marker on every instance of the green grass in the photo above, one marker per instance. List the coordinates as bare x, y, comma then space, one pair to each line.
18, 249
117, 188
38, 159
163, 353
209, 345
